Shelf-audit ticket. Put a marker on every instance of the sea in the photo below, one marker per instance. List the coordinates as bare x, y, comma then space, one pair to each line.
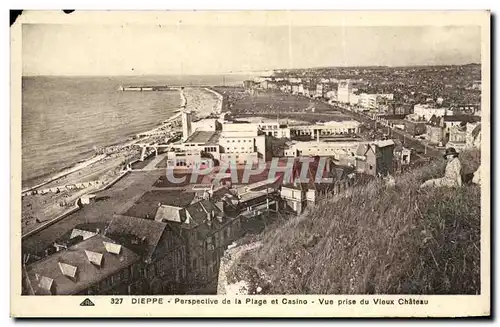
64, 119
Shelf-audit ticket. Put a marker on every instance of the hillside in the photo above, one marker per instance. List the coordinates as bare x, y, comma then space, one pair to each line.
376, 239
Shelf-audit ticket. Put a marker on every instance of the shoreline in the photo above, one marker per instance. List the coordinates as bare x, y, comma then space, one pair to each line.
118, 146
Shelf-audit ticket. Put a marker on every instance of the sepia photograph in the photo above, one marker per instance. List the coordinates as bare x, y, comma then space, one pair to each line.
202, 157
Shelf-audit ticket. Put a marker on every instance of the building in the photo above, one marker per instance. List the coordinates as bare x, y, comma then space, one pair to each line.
274, 128
331, 95
320, 90
186, 118
344, 92
473, 137
298, 195
435, 134
448, 122
162, 251
242, 146
323, 149
260, 197
402, 157
466, 109
415, 128
248, 84
95, 266
206, 125
400, 109
375, 158
207, 228
367, 101
237, 142
200, 150
330, 128
396, 121
300, 89
353, 99
426, 111
286, 88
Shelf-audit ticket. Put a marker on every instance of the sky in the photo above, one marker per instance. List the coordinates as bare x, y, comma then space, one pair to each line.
52, 49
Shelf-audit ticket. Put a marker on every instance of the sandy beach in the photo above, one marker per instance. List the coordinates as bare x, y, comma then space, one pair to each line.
38, 209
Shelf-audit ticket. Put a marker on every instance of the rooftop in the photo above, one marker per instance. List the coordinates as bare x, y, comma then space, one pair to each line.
88, 262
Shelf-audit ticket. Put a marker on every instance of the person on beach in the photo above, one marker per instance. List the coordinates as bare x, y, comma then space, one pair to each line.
452, 173
477, 176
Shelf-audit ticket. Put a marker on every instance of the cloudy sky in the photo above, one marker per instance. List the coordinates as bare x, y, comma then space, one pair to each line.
51, 49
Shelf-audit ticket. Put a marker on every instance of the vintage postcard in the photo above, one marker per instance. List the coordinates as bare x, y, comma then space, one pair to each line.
250, 164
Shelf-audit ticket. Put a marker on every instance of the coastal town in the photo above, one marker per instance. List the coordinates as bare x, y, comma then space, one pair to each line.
169, 211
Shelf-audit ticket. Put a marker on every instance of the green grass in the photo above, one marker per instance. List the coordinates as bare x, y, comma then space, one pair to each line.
379, 239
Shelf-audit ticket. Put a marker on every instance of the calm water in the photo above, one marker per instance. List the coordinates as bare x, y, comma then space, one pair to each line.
64, 118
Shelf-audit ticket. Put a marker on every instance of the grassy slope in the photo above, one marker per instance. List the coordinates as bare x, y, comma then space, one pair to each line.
380, 240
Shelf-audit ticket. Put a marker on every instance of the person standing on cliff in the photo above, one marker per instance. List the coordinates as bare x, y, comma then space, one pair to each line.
452, 173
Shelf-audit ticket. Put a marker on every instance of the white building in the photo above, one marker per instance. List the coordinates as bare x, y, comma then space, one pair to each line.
371, 100
238, 143
321, 90
426, 111
301, 89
